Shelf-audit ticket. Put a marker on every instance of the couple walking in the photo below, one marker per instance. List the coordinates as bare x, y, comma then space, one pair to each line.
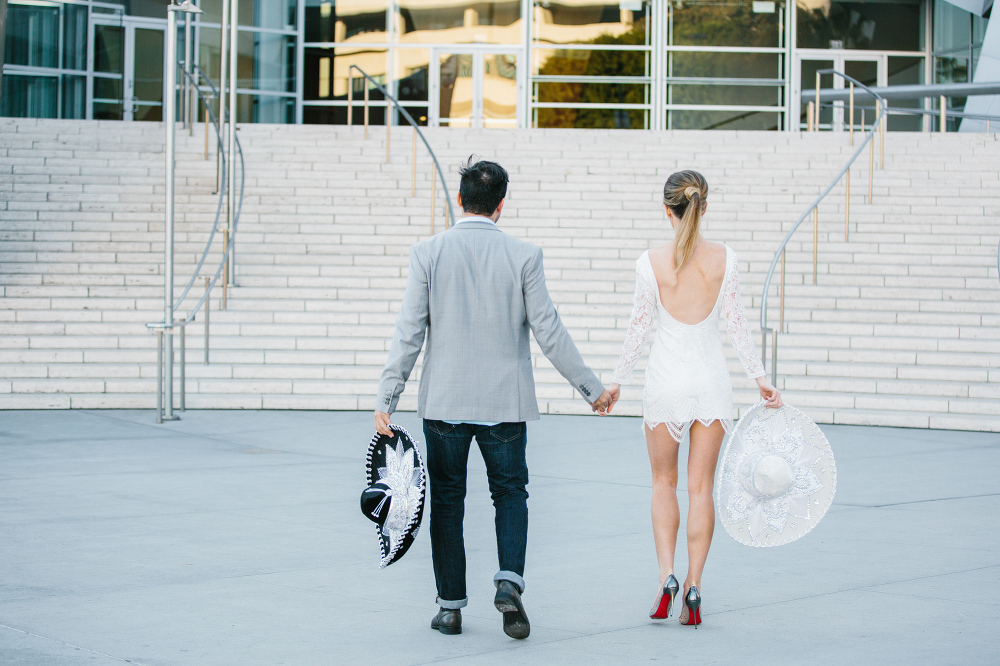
474, 292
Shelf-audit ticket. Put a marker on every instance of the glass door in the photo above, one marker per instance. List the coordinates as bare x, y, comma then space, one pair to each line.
474, 88
127, 83
869, 69
143, 71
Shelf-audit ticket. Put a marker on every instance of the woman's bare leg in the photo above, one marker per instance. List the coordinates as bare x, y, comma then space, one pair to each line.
703, 456
666, 514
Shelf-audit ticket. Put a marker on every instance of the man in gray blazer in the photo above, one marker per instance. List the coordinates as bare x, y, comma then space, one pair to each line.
473, 293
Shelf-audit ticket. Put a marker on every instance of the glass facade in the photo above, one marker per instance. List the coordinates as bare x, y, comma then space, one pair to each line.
630, 64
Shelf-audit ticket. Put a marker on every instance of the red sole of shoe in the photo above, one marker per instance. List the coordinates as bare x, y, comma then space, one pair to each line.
663, 610
697, 617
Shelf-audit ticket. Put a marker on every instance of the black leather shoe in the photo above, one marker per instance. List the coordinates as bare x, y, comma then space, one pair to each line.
508, 602
448, 621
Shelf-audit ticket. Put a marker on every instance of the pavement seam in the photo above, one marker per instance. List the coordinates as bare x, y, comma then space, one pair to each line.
75, 647
933, 499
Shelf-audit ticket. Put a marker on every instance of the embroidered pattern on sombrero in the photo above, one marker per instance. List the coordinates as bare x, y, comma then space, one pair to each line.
403, 474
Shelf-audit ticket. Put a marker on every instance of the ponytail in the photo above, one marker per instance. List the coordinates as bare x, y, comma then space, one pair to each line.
684, 193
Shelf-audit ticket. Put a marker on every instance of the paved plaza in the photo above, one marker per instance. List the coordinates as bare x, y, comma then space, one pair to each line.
235, 537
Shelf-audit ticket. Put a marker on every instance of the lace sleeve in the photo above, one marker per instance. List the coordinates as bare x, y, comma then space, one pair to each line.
643, 313
736, 325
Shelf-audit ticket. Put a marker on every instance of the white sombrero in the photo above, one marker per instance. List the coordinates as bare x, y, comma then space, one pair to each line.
777, 477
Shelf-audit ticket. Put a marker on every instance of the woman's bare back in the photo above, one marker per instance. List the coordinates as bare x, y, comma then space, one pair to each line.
690, 294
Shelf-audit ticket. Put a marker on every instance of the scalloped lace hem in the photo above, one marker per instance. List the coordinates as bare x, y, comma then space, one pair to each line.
680, 428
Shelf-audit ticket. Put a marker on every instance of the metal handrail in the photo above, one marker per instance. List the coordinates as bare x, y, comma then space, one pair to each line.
388, 126
780, 254
218, 212
164, 326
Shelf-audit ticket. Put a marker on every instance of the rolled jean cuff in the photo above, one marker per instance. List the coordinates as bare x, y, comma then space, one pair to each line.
452, 605
510, 576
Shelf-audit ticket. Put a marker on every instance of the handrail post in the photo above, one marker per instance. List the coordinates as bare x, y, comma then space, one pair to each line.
871, 158
847, 202
183, 361
366, 107
817, 101
774, 358
944, 116
781, 317
159, 375
388, 131
809, 117
815, 241
350, 98
852, 113
413, 161
208, 308
882, 126
434, 176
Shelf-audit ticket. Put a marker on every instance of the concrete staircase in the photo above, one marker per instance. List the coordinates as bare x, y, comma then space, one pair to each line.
902, 329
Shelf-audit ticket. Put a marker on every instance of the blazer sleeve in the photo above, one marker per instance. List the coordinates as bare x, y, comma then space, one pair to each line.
411, 326
552, 336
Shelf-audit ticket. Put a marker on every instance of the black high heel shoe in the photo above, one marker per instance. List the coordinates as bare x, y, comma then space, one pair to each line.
692, 600
665, 599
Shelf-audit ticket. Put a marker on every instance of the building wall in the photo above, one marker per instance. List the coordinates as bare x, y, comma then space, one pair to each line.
660, 64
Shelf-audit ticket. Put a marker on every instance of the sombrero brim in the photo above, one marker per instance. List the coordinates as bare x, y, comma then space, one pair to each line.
395, 543
761, 510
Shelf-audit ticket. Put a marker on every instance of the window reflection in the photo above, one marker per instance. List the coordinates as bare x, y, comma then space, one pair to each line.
592, 118
440, 21
891, 25
730, 23
327, 69
273, 14
32, 39
729, 65
591, 22
729, 95
411, 69
29, 96
725, 120
345, 20
265, 61
582, 62
906, 70
265, 109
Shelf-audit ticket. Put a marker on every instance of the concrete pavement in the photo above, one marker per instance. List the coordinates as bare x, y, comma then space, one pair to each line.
235, 537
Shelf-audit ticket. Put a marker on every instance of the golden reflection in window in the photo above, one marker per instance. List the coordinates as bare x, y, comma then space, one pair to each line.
458, 22
591, 22
324, 77
358, 21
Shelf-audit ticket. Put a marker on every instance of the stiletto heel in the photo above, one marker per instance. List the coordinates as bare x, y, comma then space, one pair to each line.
692, 600
665, 599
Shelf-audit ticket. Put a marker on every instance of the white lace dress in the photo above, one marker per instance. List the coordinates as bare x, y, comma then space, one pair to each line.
687, 378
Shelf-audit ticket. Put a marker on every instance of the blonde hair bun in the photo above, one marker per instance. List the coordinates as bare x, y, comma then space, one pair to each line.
690, 192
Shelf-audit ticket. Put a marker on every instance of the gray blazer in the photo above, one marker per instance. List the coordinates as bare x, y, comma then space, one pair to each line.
474, 292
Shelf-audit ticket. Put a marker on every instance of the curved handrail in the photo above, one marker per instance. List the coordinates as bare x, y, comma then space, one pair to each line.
781, 249
412, 122
218, 212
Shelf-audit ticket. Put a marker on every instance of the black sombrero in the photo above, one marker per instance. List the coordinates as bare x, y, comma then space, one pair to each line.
394, 498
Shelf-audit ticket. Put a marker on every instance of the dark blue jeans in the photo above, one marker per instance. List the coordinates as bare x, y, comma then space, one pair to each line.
503, 448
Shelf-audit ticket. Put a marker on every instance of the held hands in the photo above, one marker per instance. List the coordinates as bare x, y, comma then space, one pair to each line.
382, 423
607, 400
602, 404
769, 393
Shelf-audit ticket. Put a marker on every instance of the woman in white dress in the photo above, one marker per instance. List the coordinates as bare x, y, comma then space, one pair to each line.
685, 286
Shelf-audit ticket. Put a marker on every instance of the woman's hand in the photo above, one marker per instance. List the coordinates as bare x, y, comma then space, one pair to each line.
615, 390
769, 393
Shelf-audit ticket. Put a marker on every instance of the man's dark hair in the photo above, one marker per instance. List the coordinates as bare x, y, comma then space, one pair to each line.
483, 186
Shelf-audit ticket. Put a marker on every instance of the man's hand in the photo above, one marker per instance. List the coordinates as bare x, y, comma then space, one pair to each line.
382, 423
601, 404
615, 391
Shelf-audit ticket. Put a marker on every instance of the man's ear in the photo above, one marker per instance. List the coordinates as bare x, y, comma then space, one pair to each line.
459, 197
